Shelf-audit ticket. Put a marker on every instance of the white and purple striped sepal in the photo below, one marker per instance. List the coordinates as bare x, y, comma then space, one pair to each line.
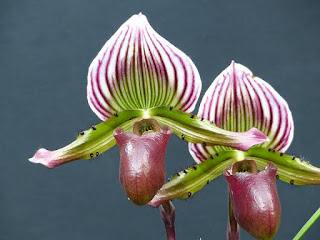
237, 101
139, 69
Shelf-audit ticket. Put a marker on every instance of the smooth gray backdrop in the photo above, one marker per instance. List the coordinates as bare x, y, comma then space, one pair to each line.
45, 50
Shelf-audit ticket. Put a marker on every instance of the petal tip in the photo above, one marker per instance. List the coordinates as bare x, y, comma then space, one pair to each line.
259, 135
43, 156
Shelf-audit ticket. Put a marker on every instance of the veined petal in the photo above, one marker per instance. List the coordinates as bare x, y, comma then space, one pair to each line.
238, 101
138, 69
187, 182
90, 143
194, 129
291, 169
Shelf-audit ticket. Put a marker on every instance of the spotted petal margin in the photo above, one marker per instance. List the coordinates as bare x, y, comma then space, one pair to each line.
238, 101
138, 69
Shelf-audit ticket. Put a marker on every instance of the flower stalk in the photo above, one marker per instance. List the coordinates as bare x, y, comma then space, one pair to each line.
168, 213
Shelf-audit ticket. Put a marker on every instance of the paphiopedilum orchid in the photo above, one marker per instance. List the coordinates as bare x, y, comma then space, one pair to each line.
139, 75
237, 100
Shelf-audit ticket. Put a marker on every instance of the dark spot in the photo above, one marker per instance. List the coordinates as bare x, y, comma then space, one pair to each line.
269, 149
201, 119
171, 108
281, 154
217, 154
94, 128
189, 194
204, 144
211, 157
301, 160
211, 122
132, 118
97, 154
169, 179
194, 167
273, 150
277, 176
293, 158
116, 114
185, 171
178, 174
208, 182
81, 133
182, 136
91, 155
291, 182
192, 116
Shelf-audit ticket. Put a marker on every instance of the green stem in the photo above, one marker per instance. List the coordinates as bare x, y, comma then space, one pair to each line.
308, 225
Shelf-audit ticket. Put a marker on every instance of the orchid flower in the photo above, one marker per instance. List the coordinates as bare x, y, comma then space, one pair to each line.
237, 101
139, 75
143, 88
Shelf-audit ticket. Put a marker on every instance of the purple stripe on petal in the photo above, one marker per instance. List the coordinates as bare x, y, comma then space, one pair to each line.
238, 101
137, 68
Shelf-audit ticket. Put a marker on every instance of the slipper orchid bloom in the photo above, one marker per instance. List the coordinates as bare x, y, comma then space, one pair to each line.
237, 101
139, 75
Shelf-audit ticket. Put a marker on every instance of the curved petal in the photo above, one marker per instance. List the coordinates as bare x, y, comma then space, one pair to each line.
187, 182
291, 169
90, 143
194, 129
137, 68
238, 101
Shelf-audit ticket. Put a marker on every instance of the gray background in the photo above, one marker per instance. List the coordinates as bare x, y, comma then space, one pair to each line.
45, 50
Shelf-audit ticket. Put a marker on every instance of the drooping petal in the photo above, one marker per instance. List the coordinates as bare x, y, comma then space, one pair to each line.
255, 201
138, 69
291, 169
142, 160
194, 129
90, 143
187, 182
238, 101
